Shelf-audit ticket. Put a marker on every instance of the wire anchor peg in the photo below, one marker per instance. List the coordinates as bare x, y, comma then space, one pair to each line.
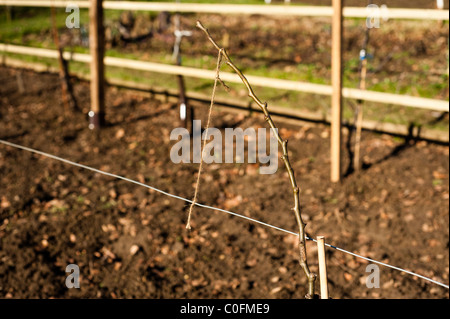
363, 55
186, 113
179, 34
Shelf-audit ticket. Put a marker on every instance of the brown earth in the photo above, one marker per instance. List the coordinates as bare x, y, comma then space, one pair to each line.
52, 214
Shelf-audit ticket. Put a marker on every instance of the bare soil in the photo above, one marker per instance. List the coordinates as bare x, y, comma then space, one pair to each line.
395, 210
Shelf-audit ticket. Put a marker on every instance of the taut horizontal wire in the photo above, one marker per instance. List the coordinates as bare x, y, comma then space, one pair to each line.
213, 208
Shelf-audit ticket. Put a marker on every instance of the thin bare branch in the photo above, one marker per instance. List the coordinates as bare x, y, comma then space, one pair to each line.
197, 184
285, 157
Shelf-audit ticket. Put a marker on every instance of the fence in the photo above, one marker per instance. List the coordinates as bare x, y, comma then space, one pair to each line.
336, 89
280, 114
321, 89
280, 10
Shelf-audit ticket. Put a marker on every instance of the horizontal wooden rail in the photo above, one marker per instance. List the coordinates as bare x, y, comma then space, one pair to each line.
280, 10
287, 115
372, 96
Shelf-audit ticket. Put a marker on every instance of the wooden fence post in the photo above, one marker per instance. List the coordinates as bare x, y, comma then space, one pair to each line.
336, 99
322, 267
96, 47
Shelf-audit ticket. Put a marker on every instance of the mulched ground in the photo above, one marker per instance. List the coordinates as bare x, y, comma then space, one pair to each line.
130, 242
414, 4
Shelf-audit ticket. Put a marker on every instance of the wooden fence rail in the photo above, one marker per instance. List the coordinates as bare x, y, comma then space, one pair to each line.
280, 114
280, 10
321, 89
